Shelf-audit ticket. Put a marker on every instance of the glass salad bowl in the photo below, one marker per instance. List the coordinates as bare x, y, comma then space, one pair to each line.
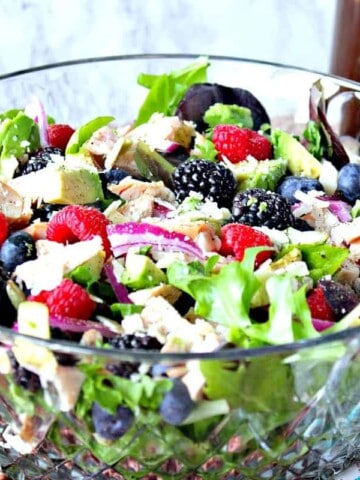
285, 411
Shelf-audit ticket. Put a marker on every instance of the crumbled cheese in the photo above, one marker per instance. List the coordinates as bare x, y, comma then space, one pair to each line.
54, 261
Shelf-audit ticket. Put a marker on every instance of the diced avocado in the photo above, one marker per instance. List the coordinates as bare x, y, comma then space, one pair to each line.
264, 174
152, 165
300, 160
89, 271
60, 184
33, 319
141, 272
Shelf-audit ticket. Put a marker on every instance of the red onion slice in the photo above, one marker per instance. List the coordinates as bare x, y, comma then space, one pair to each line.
339, 208
119, 289
36, 111
76, 325
131, 234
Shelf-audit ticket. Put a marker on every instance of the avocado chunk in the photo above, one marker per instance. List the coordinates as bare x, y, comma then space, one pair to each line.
61, 184
152, 165
141, 272
264, 174
33, 320
89, 271
300, 160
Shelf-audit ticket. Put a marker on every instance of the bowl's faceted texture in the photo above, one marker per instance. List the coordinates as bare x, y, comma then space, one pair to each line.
308, 423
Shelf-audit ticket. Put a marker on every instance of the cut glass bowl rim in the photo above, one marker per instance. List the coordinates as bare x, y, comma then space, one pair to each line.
151, 356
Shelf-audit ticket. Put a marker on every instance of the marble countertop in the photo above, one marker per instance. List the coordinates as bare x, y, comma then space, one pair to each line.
36, 32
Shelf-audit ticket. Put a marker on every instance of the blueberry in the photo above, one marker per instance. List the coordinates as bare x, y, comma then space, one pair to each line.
111, 426
176, 404
17, 248
291, 184
349, 182
113, 175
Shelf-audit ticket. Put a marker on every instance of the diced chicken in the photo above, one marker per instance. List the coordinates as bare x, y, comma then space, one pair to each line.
141, 297
161, 320
91, 337
16, 209
162, 131
104, 146
5, 364
54, 261
136, 210
131, 189
348, 273
194, 380
68, 381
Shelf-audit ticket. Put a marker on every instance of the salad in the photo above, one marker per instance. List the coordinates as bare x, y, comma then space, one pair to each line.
197, 228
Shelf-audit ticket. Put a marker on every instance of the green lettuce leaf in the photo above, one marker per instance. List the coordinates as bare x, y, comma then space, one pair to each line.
312, 134
166, 90
281, 326
261, 384
219, 113
110, 391
19, 134
82, 134
212, 291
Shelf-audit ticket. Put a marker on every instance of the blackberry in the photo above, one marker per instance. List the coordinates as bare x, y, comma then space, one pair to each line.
40, 160
131, 341
258, 207
213, 180
45, 211
123, 369
137, 342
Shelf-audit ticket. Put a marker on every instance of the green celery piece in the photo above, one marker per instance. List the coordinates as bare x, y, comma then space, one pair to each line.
123, 309
82, 134
219, 113
321, 259
166, 90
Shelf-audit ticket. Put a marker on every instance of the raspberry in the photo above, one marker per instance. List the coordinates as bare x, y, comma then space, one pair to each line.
59, 135
67, 299
237, 143
4, 229
318, 305
236, 238
77, 222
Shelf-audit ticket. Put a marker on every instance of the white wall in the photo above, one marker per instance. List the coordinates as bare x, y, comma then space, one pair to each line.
36, 32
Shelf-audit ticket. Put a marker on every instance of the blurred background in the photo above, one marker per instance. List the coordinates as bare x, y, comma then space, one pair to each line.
295, 32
